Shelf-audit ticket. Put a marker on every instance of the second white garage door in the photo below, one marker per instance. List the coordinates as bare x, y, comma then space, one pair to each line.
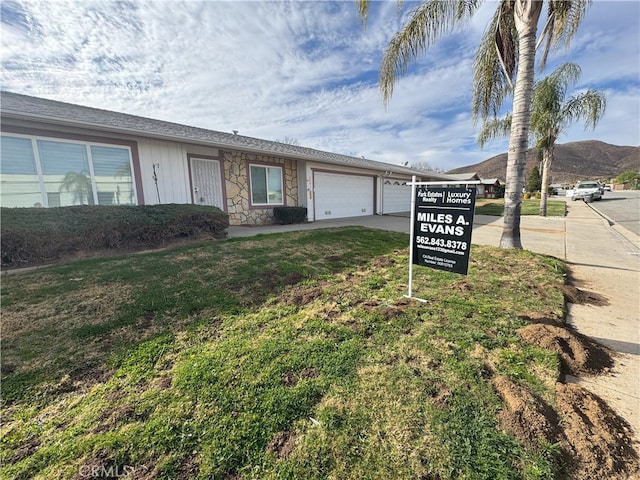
396, 196
340, 196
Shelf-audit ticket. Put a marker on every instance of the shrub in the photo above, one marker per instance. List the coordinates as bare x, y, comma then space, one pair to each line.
287, 215
40, 235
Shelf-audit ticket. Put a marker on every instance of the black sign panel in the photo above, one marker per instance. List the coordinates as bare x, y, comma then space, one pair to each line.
443, 221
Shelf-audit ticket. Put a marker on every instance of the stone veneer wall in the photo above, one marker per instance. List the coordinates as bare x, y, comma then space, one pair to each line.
237, 185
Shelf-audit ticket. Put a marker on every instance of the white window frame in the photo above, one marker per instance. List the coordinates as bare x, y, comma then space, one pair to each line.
87, 145
266, 167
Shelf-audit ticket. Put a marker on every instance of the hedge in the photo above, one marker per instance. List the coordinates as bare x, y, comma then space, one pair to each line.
287, 215
33, 236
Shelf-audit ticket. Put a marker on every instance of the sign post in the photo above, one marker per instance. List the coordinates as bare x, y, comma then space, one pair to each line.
441, 227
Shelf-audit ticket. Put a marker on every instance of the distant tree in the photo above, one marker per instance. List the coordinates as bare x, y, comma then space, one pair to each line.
534, 182
425, 166
289, 141
631, 178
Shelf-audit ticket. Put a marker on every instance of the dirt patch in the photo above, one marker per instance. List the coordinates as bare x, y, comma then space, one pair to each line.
578, 353
282, 444
526, 416
189, 468
25, 450
582, 297
548, 318
291, 379
102, 465
387, 311
114, 395
6, 368
163, 383
384, 262
293, 278
111, 417
441, 397
594, 441
301, 295
462, 287
598, 440
309, 372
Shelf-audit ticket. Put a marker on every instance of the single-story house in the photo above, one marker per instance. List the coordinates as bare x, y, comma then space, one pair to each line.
58, 154
487, 188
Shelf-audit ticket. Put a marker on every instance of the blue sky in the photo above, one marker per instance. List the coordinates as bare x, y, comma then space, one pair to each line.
301, 70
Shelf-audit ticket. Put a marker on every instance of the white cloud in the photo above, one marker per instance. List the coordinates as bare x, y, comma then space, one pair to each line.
305, 70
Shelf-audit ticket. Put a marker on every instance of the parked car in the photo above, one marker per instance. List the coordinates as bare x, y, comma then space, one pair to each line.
587, 191
607, 188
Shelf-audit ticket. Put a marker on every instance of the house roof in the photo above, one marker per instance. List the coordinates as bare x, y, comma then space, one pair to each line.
14, 105
489, 181
464, 176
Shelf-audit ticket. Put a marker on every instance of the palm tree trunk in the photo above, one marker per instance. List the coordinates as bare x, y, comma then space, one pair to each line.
547, 158
526, 14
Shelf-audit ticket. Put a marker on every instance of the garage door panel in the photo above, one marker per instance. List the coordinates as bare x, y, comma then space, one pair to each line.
341, 196
396, 196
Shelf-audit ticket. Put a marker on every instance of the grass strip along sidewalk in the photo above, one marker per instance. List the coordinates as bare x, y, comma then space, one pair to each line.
296, 356
531, 206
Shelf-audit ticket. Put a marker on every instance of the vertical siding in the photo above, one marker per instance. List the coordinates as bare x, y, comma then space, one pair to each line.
171, 169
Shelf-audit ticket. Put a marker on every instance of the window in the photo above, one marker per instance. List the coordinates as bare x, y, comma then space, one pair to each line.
112, 171
19, 182
65, 170
266, 185
52, 173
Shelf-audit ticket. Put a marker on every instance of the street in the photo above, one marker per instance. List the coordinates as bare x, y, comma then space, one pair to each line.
622, 207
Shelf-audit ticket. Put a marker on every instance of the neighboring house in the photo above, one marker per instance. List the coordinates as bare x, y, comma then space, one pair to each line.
487, 188
58, 154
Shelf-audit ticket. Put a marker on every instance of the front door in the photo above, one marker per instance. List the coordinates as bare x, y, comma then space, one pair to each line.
206, 182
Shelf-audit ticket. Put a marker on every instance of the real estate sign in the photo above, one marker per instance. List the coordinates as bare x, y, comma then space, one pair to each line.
443, 221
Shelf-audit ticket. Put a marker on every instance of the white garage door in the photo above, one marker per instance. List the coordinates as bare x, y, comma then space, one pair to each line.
340, 196
396, 196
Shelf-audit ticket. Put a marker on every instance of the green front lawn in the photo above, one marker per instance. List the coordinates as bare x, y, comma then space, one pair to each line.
281, 356
530, 206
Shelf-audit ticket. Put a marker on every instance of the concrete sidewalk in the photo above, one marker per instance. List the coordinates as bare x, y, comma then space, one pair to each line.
605, 259
602, 258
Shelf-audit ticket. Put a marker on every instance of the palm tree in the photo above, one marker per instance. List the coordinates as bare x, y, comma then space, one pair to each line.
79, 184
550, 115
507, 52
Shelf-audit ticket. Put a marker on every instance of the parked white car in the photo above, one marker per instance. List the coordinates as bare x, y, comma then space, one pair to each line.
587, 191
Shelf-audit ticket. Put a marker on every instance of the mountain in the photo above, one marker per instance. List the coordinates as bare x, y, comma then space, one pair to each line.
572, 161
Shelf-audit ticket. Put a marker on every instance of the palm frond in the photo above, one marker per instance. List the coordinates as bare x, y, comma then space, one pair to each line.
494, 128
363, 10
491, 83
549, 95
563, 19
427, 23
590, 106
